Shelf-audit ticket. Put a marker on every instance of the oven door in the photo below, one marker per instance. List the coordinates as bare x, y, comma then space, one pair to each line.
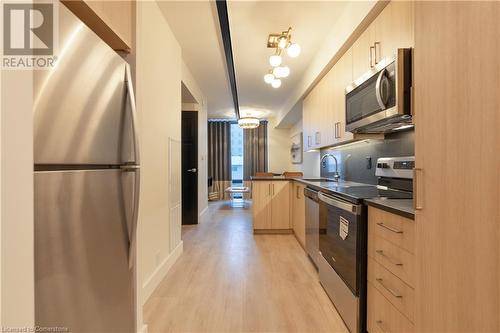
343, 243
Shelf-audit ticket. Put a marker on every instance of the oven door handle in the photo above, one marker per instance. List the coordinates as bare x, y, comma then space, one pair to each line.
344, 205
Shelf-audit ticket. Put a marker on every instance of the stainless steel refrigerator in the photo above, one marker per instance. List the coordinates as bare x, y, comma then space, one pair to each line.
86, 178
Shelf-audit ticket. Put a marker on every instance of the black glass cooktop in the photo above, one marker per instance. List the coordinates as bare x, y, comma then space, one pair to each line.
367, 192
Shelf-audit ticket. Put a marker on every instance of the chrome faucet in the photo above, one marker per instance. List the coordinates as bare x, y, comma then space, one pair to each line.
336, 175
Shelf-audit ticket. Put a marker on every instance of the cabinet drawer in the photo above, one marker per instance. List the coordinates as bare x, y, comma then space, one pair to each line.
393, 228
398, 261
394, 289
383, 316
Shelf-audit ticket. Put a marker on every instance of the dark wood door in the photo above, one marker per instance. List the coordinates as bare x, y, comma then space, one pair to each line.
189, 167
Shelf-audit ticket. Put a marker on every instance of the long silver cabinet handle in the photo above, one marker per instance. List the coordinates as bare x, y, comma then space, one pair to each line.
389, 228
392, 292
135, 212
135, 127
375, 48
391, 260
136, 168
417, 205
370, 57
347, 206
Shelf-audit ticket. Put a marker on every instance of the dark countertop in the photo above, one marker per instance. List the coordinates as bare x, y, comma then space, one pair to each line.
402, 207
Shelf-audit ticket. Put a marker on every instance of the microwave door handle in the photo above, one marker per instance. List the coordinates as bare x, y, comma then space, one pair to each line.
377, 90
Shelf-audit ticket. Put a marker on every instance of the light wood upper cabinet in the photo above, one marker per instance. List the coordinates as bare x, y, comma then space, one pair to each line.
306, 123
112, 21
271, 205
342, 79
312, 120
391, 29
299, 213
363, 53
324, 106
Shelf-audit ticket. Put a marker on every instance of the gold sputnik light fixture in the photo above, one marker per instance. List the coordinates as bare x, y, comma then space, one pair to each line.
280, 42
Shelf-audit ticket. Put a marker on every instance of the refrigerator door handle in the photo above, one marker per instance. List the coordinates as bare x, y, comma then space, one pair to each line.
131, 99
135, 216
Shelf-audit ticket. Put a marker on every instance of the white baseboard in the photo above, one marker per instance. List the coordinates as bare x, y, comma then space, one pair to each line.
154, 280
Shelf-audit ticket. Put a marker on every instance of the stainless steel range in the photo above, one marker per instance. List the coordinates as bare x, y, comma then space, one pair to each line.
343, 242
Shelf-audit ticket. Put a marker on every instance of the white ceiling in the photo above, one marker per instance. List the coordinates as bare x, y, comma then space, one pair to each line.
196, 27
251, 22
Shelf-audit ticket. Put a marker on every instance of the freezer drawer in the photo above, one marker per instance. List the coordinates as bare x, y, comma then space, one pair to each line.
82, 276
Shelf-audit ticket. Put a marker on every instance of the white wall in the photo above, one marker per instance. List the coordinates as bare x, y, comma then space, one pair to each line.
279, 144
158, 86
201, 107
310, 160
17, 234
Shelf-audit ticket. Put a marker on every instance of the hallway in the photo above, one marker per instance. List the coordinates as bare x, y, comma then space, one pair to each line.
229, 280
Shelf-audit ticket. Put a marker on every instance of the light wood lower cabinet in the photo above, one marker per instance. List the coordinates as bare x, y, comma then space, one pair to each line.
261, 208
397, 292
391, 272
299, 212
280, 205
382, 316
271, 205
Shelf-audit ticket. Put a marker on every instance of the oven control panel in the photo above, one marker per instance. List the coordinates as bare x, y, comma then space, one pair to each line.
395, 167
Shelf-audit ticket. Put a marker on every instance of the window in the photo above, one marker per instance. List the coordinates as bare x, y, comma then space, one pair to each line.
236, 155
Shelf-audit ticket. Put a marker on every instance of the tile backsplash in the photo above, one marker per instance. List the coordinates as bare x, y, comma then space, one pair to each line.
357, 161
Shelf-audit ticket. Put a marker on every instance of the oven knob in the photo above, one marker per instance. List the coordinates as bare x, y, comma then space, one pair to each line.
382, 165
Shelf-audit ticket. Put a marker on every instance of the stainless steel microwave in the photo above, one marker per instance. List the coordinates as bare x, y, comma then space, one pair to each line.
380, 100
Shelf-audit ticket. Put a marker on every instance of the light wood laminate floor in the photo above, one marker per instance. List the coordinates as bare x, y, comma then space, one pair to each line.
230, 280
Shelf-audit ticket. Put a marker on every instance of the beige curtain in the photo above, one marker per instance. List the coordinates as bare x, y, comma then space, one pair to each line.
219, 157
255, 150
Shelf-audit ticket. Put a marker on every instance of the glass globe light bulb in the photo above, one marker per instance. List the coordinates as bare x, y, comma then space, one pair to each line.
285, 71
275, 60
293, 50
282, 42
276, 83
268, 78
